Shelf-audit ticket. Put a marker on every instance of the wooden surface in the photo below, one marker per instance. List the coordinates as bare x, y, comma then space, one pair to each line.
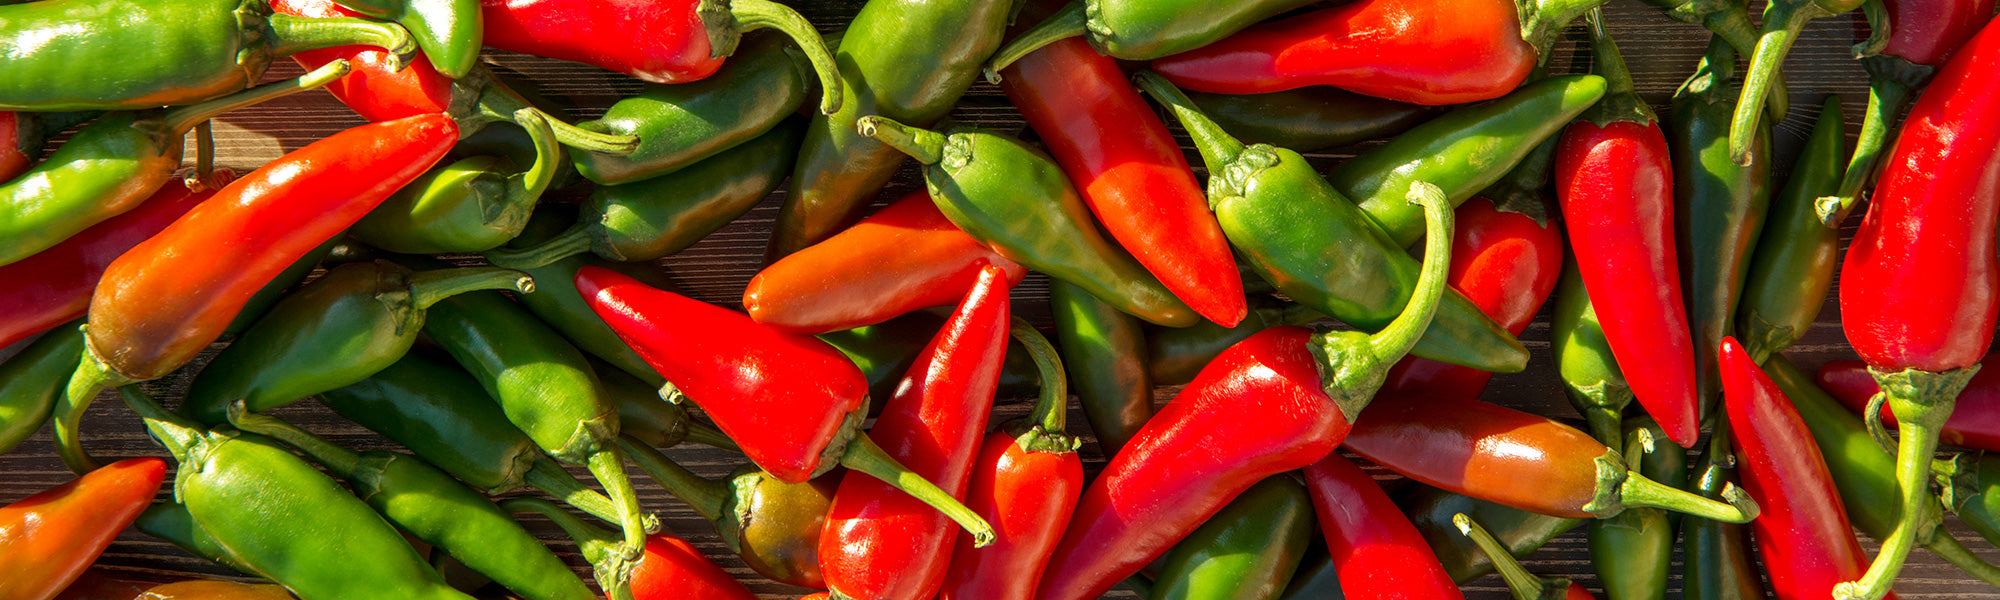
1662, 53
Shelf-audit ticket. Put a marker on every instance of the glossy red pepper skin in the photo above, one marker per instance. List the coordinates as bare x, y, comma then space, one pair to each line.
1483, 450
674, 46
1028, 495
379, 88
48, 539
672, 569
1416, 51
1974, 423
1507, 264
906, 257
1377, 551
880, 543
54, 286
1129, 170
1804, 536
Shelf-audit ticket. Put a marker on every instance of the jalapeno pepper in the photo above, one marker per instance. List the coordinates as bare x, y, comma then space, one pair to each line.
669, 568
1105, 353
1141, 30
774, 526
1310, 118
1247, 551
1431, 510
49, 538
1173, 355
470, 205
1792, 267
1524, 585
1633, 551
1375, 550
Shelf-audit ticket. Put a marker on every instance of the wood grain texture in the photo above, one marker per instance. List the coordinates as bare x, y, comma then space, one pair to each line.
1662, 52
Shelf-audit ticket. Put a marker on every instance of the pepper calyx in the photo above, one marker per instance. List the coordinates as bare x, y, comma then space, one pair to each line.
1349, 371
1611, 475
1233, 181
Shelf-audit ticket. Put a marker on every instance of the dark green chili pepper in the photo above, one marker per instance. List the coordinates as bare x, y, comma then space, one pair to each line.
1461, 152
431, 506
1729, 20
772, 525
171, 523
469, 205
1321, 250
1972, 496
885, 351
1583, 359
282, 518
447, 31
1793, 265
1720, 562
1310, 118
1430, 509
269, 295
31, 381
653, 421
1719, 209
1015, 200
1174, 356
1141, 29
141, 54
1104, 352
1633, 550
1247, 551
344, 327
1316, 579
679, 125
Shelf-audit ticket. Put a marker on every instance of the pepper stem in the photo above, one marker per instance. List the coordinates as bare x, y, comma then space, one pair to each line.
497, 102
204, 157
292, 35
1639, 492
177, 433
704, 495
1922, 402
1783, 20
1068, 22
1217, 147
710, 436
925, 145
1733, 25
864, 456
1542, 21
728, 20
608, 466
1621, 97
1044, 429
1396, 340
571, 242
1876, 13
612, 569
343, 462
430, 287
183, 118
1889, 87
1519, 581
91, 377
547, 476
1949, 549
525, 189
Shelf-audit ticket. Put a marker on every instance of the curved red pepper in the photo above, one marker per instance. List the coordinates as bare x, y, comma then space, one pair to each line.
1974, 423
48, 539
1416, 51
1376, 550
1130, 171
879, 542
906, 257
1805, 539
54, 286
1507, 263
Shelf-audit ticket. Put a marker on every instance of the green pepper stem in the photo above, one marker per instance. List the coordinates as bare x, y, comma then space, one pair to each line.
608, 466
571, 242
704, 495
862, 455
183, 118
1606, 424
1392, 342
1523, 584
1217, 147
1639, 492
547, 476
524, 189
727, 20
177, 433
204, 157
1949, 549
498, 103
710, 436
1520, 191
1889, 87
341, 461
430, 287
1542, 21
1922, 402
1733, 25
1876, 13
613, 570
925, 145
92, 376
1044, 430
1621, 100
1783, 19
292, 35
1068, 22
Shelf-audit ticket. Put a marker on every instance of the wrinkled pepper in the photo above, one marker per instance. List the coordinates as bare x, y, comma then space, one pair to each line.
1247, 551
49, 538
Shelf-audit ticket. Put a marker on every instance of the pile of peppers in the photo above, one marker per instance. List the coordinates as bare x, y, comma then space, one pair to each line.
1281, 362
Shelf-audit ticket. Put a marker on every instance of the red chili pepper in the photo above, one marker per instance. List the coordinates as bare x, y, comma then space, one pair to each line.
1805, 540
1130, 171
906, 257
660, 41
1376, 550
880, 543
48, 539
1422, 52
53, 286
14, 158
672, 569
164, 301
1507, 263
1974, 423
1928, 32
1918, 296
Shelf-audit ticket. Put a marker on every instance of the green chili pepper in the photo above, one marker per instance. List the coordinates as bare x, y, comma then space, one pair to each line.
1310, 118
1720, 562
1462, 152
449, 31
1719, 208
772, 525
470, 205
1431, 509
141, 54
1976, 505
1321, 250
1247, 551
171, 523
1633, 550
885, 351
282, 518
510, 141
1793, 265
680, 125
1316, 579
431, 506
269, 295
1104, 352
1141, 29
344, 327
1174, 356
653, 421
31, 381
113, 164
1583, 359
1015, 200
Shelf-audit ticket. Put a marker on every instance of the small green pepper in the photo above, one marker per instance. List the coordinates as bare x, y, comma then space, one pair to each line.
1310, 118
1634, 549
1583, 360
1105, 354
448, 31
1793, 266
31, 381
1247, 551
470, 205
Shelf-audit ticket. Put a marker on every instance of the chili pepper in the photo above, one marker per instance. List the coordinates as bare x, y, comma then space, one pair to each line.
1139, 30
1792, 267
1313, 244
1025, 481
269, 295
1248, 550
22, 135
1783, 20
1719, 561
154, 310
1590, 375
470, 205
1918, 302
680, 125
112, 166
1523, 584
220, 46
1106, 356
356, 320
1633, 550
1614, 185
772, 525
170, 522
48, 539
795, 425
684, 41
512, 142
1129, 170
1973, 423
1921, 37
909, 62
31, 381
905, 257
651, 420
1431, 510
448, 32
670, 567
1375, 549
885, 351
99, 585
1460, 150
559, 305
652, 218
1518, 459
1310, 118
1282, 399
1729, 20
1316, 579
1976, 505
253, 498
1016, 201
1174, 355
